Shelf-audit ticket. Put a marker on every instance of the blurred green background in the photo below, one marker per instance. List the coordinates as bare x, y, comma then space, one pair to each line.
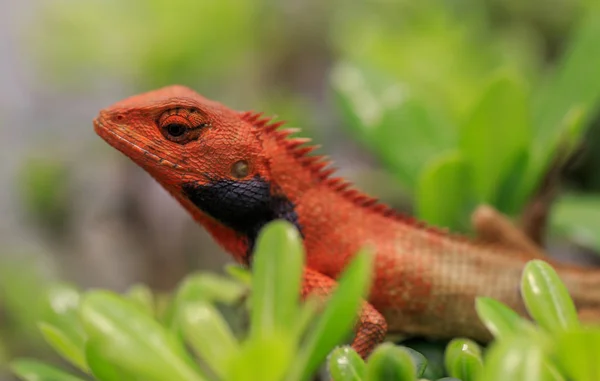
433, 106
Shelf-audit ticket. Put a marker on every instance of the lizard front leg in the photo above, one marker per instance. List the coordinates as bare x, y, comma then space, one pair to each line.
371, 325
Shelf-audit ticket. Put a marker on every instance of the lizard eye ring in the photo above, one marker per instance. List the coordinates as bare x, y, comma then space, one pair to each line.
181, 126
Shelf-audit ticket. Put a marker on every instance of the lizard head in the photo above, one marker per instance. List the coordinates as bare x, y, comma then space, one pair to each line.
206, 155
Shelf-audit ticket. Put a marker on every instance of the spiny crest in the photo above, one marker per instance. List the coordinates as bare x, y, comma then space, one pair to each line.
319, 167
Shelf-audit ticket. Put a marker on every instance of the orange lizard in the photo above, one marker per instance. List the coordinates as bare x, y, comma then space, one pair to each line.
236, 171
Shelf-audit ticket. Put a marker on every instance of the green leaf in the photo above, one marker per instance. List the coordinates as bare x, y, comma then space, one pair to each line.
558, 152
388, 362
203, 287
239, 273
495, 133
401, 129
211, 288
344, 364
499, 319
517, 358
308, 311
463, 359
142, 296
31, 370
338, 318
434, 352
277, 275
577, 352
575, 82
101, 367
578, 218
133, 341
450, 207
64, 346
419, 361
547, 298
570, 97
62, 303
514, 185
208, 333
253, 364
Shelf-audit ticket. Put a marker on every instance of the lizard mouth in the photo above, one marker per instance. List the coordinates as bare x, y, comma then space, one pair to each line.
134, 147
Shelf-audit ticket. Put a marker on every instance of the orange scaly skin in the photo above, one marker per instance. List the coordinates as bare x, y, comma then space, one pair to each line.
235, 171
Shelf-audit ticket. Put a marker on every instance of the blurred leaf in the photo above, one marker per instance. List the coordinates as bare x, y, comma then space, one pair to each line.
344, 364
546, 298
541, 159
578, 218
277, 274
514, 189
239, 273
338, 318
434, 352
401, 129
208, 333
440, 50
173, 50
134, 342
203, 287
307, 314
463, 359
210, 288
69, 350
23, 283
515, 359
31, 370
419, 361
252, 364
577, 352
142, 296
388, 362
572, 130
450, 173
62, 304
575, 82
497, 130
498, 318
101, 367
43, 187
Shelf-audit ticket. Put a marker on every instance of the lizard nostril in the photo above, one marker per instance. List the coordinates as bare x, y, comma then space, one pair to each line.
119, 117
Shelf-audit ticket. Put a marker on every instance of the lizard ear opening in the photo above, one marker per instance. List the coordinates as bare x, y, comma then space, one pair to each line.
240, 169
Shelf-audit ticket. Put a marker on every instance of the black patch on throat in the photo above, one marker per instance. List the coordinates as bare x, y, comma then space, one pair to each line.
244, 206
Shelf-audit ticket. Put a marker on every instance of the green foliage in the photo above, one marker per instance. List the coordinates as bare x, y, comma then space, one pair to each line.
547, 351
493, 148
577, 217
23, 281
149, 43
463, 359
129, 337
43, 187
559, 348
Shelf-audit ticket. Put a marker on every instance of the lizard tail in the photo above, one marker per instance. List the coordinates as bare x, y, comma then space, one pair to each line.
589, 315
584, 286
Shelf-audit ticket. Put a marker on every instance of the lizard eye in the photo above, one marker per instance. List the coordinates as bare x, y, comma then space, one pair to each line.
176, 130
181, 126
